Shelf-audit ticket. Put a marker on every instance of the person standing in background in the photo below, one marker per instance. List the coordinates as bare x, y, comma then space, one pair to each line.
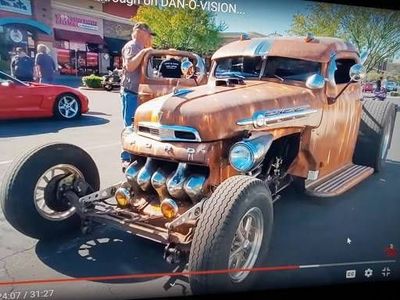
132, 58
45, 66
22, 65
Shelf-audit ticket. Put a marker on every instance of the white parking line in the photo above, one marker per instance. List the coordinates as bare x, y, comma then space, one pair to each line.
6, 162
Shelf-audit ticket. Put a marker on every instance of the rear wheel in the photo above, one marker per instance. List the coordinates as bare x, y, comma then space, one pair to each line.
375, 135
232, 236
31, 195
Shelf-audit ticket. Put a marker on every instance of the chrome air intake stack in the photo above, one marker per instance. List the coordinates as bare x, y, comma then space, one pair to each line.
159, 182
132, 172
176, 183
145, 174
193, 187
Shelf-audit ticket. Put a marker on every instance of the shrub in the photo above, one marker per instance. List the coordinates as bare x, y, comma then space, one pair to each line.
395, 94
92, 81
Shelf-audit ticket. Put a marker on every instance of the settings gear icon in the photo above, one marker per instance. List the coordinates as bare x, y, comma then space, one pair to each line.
368, 273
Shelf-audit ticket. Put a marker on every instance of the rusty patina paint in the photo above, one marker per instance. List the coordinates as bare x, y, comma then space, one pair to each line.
328, 135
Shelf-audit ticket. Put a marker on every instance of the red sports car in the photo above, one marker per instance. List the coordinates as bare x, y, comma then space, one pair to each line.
34, 100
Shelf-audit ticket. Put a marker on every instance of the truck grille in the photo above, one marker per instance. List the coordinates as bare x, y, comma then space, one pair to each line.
168, 133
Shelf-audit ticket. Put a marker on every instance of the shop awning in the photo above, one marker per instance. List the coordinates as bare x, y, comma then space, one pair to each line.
115, 45
28, 22
72, 36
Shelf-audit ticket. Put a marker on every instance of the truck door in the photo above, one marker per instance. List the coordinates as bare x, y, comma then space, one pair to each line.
161, 73
333, 142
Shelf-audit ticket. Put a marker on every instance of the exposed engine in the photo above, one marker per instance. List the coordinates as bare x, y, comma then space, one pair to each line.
173, 187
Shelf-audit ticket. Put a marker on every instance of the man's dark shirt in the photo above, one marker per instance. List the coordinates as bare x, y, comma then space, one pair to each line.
22, 68
171, 68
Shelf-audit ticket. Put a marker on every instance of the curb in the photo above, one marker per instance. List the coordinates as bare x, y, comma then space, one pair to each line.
90, 89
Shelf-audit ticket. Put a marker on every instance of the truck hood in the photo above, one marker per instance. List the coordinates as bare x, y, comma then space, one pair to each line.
215, 110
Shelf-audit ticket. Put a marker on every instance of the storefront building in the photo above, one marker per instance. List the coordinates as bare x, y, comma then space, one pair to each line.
23, 23
78, 40
116, 35
84, 36
89, 35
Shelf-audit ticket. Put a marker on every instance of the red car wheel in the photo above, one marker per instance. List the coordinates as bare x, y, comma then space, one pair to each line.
68, 107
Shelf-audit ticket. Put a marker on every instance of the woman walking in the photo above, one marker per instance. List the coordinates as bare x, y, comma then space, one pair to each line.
45, 66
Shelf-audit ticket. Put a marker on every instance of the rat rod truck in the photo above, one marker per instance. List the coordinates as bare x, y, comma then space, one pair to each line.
208, 162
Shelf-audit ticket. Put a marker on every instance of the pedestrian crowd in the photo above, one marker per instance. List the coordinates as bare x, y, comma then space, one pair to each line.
40, 69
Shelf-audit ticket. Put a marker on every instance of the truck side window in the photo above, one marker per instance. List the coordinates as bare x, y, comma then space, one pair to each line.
343, 68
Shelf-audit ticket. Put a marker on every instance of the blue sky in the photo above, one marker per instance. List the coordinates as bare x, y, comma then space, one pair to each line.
263, 16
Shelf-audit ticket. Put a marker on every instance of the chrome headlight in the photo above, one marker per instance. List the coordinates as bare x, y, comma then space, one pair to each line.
241, 157
246, 155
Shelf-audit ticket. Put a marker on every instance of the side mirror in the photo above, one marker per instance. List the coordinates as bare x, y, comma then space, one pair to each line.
315, 82
187, 69
357, 72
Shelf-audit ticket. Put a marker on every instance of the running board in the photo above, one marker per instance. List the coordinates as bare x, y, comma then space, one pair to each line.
338, 182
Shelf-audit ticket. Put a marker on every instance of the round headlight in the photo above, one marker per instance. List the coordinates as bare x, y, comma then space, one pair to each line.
122, 196
169, 208
241, 157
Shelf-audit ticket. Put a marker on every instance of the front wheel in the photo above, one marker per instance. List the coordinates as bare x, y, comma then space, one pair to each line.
232, 236
67, 107
31, 194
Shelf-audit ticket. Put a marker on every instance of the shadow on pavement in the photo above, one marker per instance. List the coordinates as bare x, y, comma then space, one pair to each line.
105, 252
18, 128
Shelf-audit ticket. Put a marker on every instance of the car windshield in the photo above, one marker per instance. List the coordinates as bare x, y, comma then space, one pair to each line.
5, 78
285, 68
241, 67
281, 68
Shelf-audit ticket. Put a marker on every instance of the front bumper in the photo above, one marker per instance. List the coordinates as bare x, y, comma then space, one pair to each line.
94, 207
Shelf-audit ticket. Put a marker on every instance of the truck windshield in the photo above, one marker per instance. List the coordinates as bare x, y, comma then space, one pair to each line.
242, 67
282, 68
285, 68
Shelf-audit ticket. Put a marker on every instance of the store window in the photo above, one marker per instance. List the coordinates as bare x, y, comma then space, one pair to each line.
77, 58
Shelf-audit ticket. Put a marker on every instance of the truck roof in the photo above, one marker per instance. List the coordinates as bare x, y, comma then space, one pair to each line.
316, 49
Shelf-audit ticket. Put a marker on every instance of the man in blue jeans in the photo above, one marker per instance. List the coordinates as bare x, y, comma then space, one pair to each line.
132, 58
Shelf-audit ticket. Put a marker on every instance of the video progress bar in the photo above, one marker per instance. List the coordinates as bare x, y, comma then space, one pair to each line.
372, 262
185, 273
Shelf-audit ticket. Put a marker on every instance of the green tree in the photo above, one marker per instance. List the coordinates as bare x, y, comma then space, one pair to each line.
374, 30
184, 29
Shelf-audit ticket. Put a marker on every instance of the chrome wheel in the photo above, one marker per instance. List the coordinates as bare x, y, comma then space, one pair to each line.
246, 244
48, 184
68, 107
386, 140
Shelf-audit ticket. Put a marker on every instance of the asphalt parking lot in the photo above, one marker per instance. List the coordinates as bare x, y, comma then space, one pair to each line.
322, 235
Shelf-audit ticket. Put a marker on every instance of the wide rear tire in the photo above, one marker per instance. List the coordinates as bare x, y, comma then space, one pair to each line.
375, 134
34, 206
221, 232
